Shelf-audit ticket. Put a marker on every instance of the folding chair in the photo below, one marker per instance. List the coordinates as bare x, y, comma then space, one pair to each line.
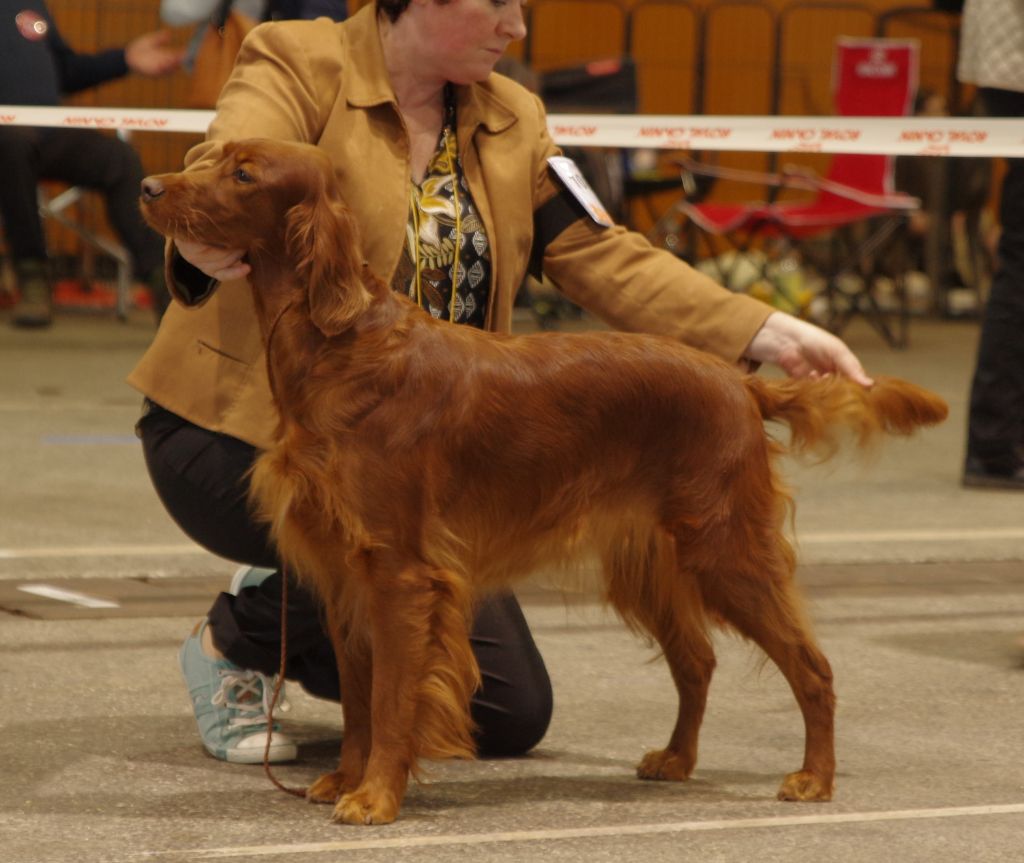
54, 207
854, 207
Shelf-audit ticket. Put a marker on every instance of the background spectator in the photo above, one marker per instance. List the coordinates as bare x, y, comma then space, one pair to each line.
992, 57
39, 68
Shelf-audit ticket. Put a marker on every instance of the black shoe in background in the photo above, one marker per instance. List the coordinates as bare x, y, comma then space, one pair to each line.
981, 474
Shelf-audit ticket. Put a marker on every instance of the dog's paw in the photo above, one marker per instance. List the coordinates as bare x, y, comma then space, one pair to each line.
328, 788
805, 786
360, 807
664, 765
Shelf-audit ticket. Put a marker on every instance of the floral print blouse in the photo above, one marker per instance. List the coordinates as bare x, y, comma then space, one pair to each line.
446, 267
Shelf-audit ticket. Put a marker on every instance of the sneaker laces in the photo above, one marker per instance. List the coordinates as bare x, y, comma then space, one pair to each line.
248, 693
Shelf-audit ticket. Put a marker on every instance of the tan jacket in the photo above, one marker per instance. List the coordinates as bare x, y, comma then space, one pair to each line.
326, 83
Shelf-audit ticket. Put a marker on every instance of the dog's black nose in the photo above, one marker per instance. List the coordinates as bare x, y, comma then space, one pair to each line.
152, 189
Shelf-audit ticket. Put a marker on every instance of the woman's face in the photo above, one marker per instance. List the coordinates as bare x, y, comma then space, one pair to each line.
467, 37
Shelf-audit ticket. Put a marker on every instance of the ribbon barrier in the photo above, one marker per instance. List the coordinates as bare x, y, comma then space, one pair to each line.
889, 136
895, 136
115, 119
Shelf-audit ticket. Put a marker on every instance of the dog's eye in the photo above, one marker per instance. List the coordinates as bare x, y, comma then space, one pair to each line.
242, 175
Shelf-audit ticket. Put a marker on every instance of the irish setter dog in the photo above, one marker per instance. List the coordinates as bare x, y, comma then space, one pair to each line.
420, 464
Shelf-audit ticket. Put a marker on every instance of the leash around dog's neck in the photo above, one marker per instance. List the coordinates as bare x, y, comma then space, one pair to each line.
297, 792
268, 341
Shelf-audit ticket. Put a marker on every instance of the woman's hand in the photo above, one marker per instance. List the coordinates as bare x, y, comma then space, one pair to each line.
216, 262
801, 350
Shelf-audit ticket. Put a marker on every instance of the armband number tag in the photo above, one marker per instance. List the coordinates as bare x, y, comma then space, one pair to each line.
580, 189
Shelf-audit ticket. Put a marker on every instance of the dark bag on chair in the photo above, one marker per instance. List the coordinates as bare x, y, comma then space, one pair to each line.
216, 55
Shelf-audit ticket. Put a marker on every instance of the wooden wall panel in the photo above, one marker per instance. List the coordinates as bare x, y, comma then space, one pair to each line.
938, 34
739, 78
665, 46
571, 32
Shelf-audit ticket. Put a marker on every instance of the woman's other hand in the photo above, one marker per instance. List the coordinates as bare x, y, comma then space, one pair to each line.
802, 349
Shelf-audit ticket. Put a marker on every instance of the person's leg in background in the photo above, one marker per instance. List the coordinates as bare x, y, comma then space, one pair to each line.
23, 230
106, 164
200, 477
995, 435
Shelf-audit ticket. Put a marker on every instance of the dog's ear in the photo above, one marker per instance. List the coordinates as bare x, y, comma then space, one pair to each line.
324, 244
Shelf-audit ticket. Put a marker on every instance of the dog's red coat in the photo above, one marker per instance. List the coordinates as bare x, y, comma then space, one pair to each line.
419, 464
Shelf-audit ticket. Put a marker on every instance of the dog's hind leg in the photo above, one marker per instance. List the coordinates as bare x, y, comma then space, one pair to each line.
654, 597
691, 661
754, 592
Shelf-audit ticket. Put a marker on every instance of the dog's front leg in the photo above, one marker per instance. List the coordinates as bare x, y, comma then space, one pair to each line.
423, 675
355, 675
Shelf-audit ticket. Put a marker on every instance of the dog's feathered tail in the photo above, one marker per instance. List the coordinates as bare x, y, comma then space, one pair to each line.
819, 411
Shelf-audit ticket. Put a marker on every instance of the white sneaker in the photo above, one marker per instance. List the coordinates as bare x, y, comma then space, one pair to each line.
231, 706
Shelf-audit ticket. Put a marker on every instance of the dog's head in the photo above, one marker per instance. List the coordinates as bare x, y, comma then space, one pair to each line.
276, 200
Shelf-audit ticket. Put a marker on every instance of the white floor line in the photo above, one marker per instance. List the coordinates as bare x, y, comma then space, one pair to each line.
926, 535
73, 596
618, 831
805, 538
71, 551
50, 406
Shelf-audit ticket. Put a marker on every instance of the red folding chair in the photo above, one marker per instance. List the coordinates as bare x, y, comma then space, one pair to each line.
855, 206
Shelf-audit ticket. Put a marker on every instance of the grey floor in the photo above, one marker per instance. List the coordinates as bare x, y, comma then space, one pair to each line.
916, 586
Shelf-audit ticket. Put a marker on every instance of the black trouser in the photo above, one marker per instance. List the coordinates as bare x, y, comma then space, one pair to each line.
995, 431
200, 477
80, 157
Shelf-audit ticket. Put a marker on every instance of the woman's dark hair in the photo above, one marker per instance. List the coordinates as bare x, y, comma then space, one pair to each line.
392, 8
